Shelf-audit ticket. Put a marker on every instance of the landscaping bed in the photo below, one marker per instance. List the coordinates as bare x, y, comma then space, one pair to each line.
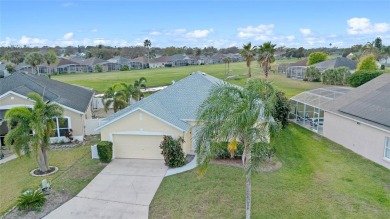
318, 179
76, 170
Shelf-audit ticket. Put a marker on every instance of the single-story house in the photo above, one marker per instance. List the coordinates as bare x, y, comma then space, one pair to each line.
360, 120
336, 63
75, 100
137, 131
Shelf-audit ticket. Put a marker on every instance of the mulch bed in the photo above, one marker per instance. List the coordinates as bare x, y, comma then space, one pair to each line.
269, 166
53, 201
40, 173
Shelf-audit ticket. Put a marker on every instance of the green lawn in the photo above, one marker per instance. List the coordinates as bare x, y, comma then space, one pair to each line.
76, 170
164, 76
318, 179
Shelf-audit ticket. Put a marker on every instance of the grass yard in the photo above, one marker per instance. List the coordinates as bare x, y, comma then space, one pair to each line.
164, 76
76, 170
319, 179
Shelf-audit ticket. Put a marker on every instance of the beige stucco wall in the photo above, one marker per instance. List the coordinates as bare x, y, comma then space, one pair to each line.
12, 99
88, 113
360, 138
142, 122
77, 120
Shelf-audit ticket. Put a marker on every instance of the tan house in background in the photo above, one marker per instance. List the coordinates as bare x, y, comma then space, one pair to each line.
75, 100
137, 131
360, 120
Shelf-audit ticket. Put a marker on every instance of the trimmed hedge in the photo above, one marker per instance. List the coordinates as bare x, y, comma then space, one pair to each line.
104, 149
362, 77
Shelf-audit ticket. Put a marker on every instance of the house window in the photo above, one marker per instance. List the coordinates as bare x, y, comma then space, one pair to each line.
62, 126
387, 148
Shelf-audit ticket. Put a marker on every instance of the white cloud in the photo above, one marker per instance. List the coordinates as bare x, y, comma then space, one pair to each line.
364, 26
199, 33
305, 31
259, 32
68, 36
94, 30
7, 42
155, 33
24, 40
68, 4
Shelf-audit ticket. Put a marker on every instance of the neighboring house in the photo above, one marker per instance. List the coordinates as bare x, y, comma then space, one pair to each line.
106, 65
137, 131
139, 63
69, 66
360, 120
385, 61
296, 70
336, 63
121, 61
75, 100
160, 62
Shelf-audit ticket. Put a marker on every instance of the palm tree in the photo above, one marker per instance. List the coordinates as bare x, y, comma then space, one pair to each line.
15, 56
50, 58
248, 53
147, 44
34, 59
138, 84
227, 61
30, 129
266, 56
231, 112
115, 96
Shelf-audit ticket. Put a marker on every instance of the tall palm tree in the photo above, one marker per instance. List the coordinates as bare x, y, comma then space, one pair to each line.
39, 121
248, 53
115, 96
147, 45
231, 112
50, 58
34, 59
266, 56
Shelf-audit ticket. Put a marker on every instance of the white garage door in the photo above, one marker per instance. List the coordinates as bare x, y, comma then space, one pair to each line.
137, 146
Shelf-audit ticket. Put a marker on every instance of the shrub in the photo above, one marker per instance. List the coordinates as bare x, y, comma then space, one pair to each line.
336, 76
312, 74
104, 149
367, 63
125, 68
172, 151
98, 68
361, 77
222, 151
316, 57
383, 67
31, 200
282, 109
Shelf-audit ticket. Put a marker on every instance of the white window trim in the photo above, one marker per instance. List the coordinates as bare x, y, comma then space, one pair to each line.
387, 146
57, 125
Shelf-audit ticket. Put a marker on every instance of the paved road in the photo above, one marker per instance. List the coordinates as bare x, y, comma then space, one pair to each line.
124, 189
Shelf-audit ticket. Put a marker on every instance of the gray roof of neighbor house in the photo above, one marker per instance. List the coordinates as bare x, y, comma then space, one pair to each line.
337, 62
93, 61
119, 60
72, 96
176, 103
369, 103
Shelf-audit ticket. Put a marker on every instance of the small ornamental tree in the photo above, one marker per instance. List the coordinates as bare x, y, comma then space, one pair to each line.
367, 63
98, 68
316, 57
172, 151
282, 109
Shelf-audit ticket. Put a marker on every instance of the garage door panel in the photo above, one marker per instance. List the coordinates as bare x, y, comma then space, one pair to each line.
137, 146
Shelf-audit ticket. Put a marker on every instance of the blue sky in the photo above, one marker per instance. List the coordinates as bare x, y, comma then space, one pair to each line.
193, 23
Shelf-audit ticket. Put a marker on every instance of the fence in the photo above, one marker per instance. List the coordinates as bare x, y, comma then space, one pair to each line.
91, 125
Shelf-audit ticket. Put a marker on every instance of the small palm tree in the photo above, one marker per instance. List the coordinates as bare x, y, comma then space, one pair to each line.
138, 84
266, 56
248, 53
30, 129
229, 113
34, 59
115, 96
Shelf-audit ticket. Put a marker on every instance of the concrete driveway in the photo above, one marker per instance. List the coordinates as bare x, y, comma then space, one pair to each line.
124, 189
